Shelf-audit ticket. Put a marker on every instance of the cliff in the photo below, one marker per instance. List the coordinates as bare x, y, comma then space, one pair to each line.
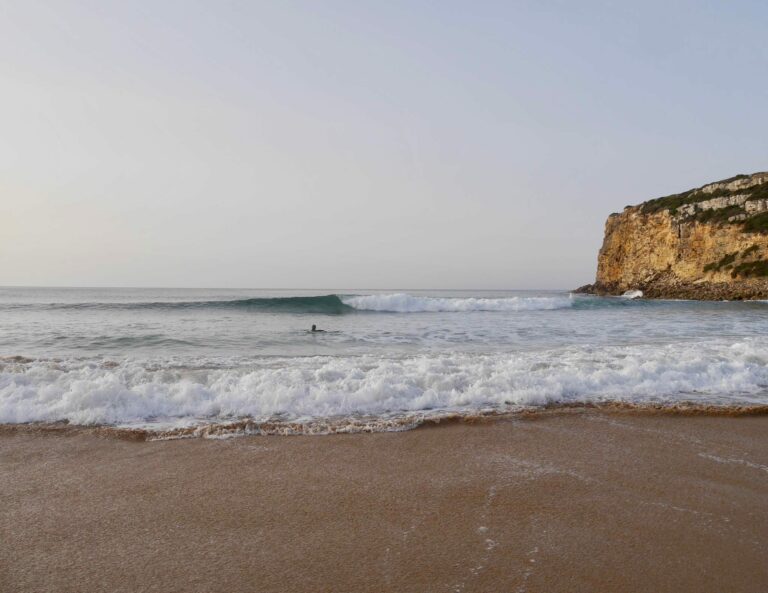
707, 243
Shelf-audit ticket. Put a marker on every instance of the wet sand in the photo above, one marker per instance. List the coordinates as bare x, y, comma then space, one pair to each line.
571, 502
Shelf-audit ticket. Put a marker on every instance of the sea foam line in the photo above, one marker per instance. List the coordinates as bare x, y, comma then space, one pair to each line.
299, 389
407, 303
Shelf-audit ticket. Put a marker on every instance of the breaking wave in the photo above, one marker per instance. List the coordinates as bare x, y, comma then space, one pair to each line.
333, 304
298, 390
406, 303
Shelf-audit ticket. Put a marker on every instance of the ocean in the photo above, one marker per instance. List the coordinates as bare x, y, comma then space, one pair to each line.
204, 361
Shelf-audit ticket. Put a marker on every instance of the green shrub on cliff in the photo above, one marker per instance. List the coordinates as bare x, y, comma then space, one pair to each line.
724, 262
718, 216
751, 269
759, 192
756, 224
749, 251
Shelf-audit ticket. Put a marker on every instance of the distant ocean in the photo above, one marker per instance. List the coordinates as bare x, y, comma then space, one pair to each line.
207, 361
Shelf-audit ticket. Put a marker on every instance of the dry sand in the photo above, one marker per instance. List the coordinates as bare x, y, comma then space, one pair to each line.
571, 502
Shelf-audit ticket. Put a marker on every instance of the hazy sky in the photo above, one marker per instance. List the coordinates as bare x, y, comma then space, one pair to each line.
359, 144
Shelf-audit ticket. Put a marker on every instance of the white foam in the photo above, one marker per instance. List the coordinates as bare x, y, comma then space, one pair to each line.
406, 303
633, 294
136, 392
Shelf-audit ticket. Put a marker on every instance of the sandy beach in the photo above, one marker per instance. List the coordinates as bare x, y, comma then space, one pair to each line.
577, 501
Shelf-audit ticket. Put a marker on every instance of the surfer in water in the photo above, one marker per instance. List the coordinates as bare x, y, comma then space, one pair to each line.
314, 329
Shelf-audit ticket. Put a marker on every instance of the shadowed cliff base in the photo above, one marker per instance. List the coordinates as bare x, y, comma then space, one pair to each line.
666, 286
569, 503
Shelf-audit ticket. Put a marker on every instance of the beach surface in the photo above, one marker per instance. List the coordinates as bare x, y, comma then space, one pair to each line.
573, 501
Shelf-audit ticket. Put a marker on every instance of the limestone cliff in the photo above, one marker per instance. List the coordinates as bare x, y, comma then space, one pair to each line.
706, 243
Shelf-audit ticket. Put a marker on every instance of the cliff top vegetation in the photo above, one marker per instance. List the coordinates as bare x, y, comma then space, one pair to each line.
751, 220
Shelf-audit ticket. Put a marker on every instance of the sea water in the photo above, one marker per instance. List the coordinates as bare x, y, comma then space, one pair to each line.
165, 358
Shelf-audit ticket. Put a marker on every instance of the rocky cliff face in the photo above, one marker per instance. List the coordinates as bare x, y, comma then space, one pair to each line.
706, 243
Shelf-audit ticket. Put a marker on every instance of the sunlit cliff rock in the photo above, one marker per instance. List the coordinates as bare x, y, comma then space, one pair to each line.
706, 243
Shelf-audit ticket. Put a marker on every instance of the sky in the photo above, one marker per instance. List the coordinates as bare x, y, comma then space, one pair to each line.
359, 144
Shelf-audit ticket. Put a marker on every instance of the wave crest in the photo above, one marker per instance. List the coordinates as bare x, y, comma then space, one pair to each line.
406, 303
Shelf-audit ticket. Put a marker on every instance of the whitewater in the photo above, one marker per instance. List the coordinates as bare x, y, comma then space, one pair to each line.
165, 359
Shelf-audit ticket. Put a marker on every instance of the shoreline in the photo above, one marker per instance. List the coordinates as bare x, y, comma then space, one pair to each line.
574, 501
372, 425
